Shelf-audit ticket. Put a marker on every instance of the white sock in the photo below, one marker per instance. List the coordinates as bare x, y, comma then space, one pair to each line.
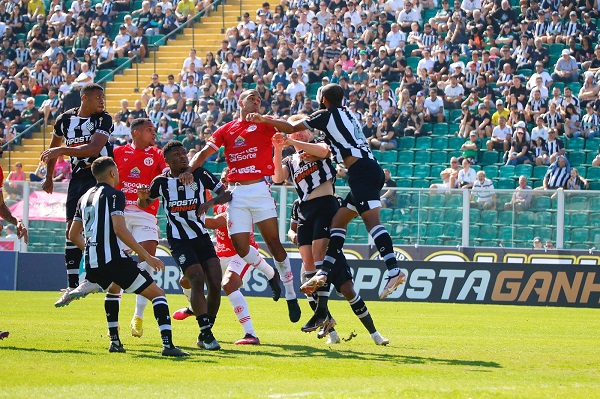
140, 301
188, 293
287, 277
254, 259
240, 308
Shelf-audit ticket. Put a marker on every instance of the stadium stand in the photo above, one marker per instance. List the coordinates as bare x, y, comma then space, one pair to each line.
492, 63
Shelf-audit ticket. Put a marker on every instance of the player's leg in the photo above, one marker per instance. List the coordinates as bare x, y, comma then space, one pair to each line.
212, 276
239, 227
128, 275
231, 283
195, 275
184, 313
112, 303
137, 328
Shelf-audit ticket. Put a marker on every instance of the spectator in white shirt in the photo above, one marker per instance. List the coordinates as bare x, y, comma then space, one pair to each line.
427, 62
482, 194
408, 16
433, 106
501, 136
295, 86
468, 6
395, 39
454, 93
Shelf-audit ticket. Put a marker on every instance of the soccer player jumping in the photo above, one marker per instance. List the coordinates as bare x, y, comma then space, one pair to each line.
344, 136
248, 151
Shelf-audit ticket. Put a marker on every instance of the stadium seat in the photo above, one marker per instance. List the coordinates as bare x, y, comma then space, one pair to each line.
505, 218
422, 157
389, 157
575, 144
545, 233
576, 219
454, 114
491, 171
405, 171
423, 143
474, 215
541, 204
506, 172
594, 205
523, 169
540, 171
437, 201
39, 99
406, 143
440, 129
439, 143
505, 234
421, 172
579, 235
405, 157
576, 158
592, 144
505, 184
578, 203
413, 62
386, 214
544, 219
454, 143
595, 236
525, 218
593, 173
439, 158
490, 157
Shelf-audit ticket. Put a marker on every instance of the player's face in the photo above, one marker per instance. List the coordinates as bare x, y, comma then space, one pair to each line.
147, 135
94, 100
304, 136
177, 159
251, 103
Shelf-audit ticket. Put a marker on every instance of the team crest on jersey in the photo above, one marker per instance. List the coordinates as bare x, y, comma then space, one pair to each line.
135, 173
182, 259
193, 186
252, 128
89, 126
240, 141
148, 161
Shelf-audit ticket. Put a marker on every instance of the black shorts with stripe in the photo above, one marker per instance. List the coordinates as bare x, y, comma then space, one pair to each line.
340, 273
365, 178
192, 252
79, 184
122, 271
315, 220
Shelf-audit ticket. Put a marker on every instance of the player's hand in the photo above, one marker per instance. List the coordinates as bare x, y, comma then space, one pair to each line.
155, 263
186, 178
22, 232
279, 140
48, 185
143, 192
51, 153
255, 117
203, 208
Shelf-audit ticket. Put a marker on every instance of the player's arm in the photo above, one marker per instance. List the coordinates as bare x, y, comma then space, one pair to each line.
90, 149
75, 234
147, 194
280, 173
212, 183
201, 157
120, 229
7, 215
48, 184
216, 222
280, 125
319, 150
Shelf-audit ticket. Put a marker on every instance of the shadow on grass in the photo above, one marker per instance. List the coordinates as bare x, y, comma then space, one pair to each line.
299, 351
59, 351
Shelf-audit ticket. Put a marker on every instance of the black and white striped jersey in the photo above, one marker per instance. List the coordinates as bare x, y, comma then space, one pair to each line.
181, 202
342, 132
552, 120
307, 176
557, 177
95, 209
554, 146
78, 131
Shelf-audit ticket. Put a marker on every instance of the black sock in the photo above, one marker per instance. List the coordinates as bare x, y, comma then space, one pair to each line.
336, 243
360, 310
161, 313
384, 245
211, 320
322, 300
204, 323
111, 307
72, 260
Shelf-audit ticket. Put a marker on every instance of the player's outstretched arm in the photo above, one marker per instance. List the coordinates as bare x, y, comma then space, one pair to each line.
143, 192
216, 222
7, 215
200, 158
91, 149
280, 174
280, 125
222, 197
48, 184
124, 235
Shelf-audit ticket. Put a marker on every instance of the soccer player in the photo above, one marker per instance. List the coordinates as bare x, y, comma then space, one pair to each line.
365, 178
248, 151
7, 215
99, 215
235, 272
86, 130
138, 162
312, 174
191, 246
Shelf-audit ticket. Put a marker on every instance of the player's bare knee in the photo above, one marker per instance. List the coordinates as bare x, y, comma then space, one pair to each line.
347, 290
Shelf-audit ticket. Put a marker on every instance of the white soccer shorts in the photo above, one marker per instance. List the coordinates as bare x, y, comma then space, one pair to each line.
250, 204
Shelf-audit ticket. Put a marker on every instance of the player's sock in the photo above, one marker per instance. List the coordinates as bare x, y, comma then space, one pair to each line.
337, 236
72, 259
240, 308
287, 277
212, 320
312, 302
204, 324
111, 307
254, 259
384, 245
161, 313
188, 293
322, 300
360, 310
140, 306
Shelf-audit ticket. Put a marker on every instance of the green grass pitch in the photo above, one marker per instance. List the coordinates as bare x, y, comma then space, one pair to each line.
435, 351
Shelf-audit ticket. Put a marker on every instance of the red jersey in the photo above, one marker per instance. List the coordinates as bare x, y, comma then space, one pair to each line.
224, 247
1, 178
138, 167
248, 149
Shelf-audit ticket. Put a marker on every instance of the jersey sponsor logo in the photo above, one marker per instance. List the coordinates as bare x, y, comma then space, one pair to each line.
239, 142
247, 169
135, 173
182, 205
304, 171
252, 128
250, 153
77, 141
148, 161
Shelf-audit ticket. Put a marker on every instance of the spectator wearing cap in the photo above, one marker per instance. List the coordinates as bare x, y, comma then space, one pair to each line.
519, 152
407, 16
537, 243
58, 18
501, 110
483, 122
246, 23
555, 26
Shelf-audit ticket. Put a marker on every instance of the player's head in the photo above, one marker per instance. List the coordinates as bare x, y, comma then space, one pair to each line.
176, 156
303, 135
92, 98
143, 133
105, 170
224, 179
332, 95
250, 101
